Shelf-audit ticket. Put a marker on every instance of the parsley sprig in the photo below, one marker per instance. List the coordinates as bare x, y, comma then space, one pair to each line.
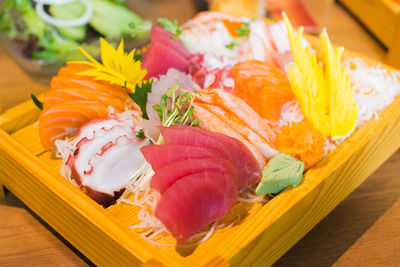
179, 111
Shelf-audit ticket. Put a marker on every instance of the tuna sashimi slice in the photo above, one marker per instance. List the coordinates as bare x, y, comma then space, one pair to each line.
162, 155
228, 148
169, 174
160, 58
195, 201
158, 34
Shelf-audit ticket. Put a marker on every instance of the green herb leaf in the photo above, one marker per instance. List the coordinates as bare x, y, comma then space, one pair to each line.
171, 26
140, 96
235, 42
37, 102
150, 142
140, 134
195, 122
137, 56
244, 30
172, 90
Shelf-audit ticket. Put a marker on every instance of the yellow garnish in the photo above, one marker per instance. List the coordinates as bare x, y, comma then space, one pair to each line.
323, 90
118, 67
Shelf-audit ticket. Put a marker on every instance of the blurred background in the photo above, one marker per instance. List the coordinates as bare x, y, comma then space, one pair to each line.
32, 50
36, 38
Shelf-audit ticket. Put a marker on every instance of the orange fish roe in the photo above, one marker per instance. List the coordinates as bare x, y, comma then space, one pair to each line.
301, 141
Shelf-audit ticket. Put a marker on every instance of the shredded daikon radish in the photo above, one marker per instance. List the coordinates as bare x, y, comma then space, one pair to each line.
374, 88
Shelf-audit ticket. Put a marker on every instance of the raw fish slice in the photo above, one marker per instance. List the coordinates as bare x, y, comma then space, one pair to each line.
210, 122
263, 87
104, 174
159, 58
166, 176
56, 96
232, 121
75, 83
57, 117
162, 155
242, 110
228, 148
195, 201
158, 34
88, 129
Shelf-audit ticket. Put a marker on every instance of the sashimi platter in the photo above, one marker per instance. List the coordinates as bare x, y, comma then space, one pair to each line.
193, 136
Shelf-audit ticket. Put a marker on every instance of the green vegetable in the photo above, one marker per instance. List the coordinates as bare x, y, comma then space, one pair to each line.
180, 110
37, 102
235, 42
242, 31
281, 171
140, 96
67, 12
18, 18
171, 26
115, 21
140, 134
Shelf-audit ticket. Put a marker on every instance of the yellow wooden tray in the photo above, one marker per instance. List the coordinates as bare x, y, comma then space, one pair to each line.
382, 18
264, 235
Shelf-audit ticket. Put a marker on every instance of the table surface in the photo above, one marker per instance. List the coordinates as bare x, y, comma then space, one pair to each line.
24, 238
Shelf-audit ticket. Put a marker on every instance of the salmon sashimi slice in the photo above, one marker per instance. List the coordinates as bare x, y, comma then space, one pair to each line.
64, 119
161, 155
56, 96
231, 120
210, 122
263, 87
195, 201
171, 173
78, 83
241, 109
229, 148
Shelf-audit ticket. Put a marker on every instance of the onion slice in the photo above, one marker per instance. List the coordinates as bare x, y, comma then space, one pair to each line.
84, 19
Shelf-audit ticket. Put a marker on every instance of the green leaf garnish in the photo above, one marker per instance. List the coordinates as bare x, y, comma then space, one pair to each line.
235, 42
179, 110
140, 134
244, 30
194, 123
137, 56
37, 102
171, 26
281, 171
140, 96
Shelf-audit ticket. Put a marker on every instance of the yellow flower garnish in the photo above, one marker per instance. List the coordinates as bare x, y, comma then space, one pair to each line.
323, 90
117, 66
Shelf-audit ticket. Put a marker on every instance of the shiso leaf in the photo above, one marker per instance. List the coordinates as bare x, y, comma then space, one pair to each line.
281, 171
140, 96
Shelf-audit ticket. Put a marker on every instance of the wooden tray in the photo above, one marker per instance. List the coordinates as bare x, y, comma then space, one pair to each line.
264, 235
382, 18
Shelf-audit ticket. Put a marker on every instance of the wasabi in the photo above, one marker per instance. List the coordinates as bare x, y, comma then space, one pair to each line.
281, 171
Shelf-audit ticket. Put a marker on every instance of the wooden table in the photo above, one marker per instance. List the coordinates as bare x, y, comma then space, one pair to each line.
24, 238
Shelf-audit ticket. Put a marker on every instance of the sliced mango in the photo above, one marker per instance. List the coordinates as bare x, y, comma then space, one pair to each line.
322, 88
